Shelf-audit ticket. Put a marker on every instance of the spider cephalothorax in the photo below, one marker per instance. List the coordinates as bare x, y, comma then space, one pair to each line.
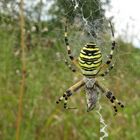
91, 66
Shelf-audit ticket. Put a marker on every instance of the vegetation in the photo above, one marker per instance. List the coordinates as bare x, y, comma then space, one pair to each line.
47, 78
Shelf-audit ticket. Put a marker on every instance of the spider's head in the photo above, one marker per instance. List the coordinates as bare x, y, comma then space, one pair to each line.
90, 45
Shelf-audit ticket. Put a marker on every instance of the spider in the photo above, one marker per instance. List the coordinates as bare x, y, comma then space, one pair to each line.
90, 64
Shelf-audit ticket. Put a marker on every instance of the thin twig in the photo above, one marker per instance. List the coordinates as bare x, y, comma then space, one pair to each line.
23, 67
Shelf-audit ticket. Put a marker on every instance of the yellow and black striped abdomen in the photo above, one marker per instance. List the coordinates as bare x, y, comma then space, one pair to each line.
90, 60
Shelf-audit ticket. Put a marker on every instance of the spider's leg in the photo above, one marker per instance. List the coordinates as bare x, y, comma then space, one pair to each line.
113, 45
111, 53
107, 70
72, 58
110, 96
67, 45
61, 98
107, 63
113, 99
70, 66
69, 92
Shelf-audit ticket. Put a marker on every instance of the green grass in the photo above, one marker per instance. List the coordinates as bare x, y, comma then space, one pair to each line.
47, 79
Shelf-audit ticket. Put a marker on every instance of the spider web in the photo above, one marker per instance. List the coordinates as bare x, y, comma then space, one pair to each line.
86, 29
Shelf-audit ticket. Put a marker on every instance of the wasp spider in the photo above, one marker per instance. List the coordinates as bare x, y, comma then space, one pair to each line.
90, 64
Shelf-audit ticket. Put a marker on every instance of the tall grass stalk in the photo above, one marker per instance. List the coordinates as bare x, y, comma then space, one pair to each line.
23, 67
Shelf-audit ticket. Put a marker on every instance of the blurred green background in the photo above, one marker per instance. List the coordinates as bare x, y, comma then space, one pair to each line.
48, 77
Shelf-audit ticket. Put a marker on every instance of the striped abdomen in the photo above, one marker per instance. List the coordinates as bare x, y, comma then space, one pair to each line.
90, 60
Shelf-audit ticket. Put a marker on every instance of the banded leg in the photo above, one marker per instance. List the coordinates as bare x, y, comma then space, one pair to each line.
70, 66
107, 70
112, 48
113, 99
74, 60
69, 92
110, 96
